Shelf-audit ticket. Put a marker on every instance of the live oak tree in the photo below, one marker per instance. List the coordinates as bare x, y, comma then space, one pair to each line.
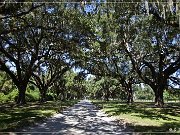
70, 91
164, 12
106, 59
155, 56
152, 47
26, 42
59, 88
158, 59
47, 74
123, 71
105, 41
20, 49
30, 35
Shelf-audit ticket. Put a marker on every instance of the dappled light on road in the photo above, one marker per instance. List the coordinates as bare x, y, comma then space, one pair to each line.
83, 118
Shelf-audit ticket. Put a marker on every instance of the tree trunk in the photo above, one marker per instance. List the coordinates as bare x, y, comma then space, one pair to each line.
130, 97
43, 94
57, 94
159, 101
21, 95
107, 95
63, 95
129, 91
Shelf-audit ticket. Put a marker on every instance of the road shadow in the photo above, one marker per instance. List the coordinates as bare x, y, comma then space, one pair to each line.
82, 119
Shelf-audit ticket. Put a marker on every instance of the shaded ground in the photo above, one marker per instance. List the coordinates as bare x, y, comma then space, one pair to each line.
83, 118
13, 117
144, 116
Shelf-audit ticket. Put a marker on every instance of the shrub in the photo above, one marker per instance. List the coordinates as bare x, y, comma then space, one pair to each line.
8, 97
49, 97
32, 96
3, 98
12, 95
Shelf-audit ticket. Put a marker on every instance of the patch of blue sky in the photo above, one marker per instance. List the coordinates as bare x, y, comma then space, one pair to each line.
176, 40
11, 65
79, 69
90, 7
50, 9
44, 68
89, 76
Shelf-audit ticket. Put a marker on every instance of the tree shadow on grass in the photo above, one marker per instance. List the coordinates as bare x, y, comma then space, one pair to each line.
168, 128
20, 119
13, 117
142, 111
168, 115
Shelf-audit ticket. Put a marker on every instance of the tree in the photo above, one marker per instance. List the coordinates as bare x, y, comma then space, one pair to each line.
20, 51
47, 75
164, 12
106, 59
120, 40
161, 40
32, 34
154, 54
27, 44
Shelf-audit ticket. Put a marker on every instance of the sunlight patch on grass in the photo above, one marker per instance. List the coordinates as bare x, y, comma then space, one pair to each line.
145, 116
136, 120
13, 116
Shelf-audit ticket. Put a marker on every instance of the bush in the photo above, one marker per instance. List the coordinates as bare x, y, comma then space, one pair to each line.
9, 97
3, 98
49, 97
12, 95
32, 96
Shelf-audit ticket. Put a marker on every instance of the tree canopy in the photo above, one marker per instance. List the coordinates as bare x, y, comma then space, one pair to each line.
121, 43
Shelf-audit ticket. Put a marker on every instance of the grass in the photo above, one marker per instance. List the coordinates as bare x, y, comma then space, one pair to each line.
144, 116
13, 117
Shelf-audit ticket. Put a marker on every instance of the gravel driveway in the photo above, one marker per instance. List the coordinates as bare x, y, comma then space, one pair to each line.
83, 118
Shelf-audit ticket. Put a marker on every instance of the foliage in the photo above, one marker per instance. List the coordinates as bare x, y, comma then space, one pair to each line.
32, 96
143, 93
10, 97
98, 88
121, 44
169, 96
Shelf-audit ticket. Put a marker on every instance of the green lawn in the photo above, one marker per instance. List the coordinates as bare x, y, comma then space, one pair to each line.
144, 116
13, 116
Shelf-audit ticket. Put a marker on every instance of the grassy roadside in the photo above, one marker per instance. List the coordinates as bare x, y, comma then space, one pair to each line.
13, 117
143, 116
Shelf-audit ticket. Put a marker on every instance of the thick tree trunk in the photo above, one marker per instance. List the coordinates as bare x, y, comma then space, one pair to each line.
21, 95
129, 91
57, 94
113, 95
107, 95
63, 96
43, 94
130, 97
159, 101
